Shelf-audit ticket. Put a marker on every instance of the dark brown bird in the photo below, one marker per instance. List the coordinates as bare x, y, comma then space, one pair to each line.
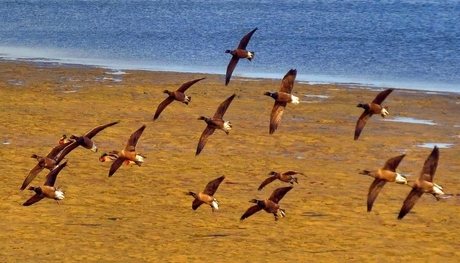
178, 95
287, 177
129, 153
216, 122
270, 205
370, 109
424, 184
239, 52
84, 141
282, 98
48, 162
207, 196
382, 176
47, 189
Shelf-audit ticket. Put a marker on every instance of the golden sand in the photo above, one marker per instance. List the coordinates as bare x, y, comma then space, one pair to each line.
142, 214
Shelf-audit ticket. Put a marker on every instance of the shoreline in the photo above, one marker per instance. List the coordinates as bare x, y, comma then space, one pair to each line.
303, 78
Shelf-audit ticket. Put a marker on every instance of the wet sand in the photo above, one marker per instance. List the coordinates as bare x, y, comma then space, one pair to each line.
142, 214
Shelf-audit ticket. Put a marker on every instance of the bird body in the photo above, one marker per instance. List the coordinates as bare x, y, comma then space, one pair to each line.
269, 205
239, 53
113, 155
49, 162
216, 122
383, 175
207, 195
282, 98
178, 95
204, 198
47, 190
370, 109
387, 175
287, 177
64, 139
129, 152
84, 141
45, 162
423, 184
374, 109
108, 157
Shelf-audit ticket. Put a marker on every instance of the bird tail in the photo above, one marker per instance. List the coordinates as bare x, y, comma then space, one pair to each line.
251, 56
365, 172
282, 212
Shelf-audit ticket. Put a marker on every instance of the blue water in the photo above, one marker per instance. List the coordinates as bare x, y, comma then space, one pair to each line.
402, 44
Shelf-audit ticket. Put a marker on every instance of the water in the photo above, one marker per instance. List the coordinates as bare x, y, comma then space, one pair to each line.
433, 144
411, 120
402, 44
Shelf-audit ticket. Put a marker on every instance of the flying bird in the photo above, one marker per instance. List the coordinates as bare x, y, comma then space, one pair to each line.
48, 162
129, 153
216, 122
207, 196
64, 139
47, 189
113, 155
108, 157
84, 141
386, 174
424, 184
287, 177
239, 52
282, 98
370, 109
270, 205
178, 95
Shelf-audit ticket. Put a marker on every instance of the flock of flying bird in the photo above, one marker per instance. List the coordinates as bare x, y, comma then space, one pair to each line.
52, 161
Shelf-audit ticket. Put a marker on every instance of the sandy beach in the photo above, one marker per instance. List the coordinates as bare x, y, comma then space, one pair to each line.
141, 214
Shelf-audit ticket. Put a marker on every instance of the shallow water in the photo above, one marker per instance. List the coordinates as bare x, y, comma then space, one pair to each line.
410, 44
411, 120
432, 144
317, 96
